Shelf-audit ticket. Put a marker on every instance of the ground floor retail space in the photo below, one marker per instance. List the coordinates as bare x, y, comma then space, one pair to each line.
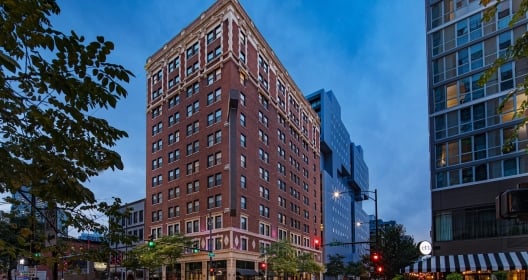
485, 266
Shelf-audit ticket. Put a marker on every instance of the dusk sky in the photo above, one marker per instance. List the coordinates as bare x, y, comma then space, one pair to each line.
371, 54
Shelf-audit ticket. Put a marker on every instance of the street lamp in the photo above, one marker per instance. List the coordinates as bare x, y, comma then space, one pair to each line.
365, 195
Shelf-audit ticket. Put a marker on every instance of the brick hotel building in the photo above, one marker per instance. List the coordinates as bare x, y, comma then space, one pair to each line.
232, 147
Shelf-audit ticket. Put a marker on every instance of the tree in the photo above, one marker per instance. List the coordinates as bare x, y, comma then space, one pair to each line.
307, 264
355, 268
335, 265
397, 250
516, 52
281, 258
166, 251
51, 84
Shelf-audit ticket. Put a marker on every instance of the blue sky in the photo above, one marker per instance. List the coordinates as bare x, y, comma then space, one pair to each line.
371, 54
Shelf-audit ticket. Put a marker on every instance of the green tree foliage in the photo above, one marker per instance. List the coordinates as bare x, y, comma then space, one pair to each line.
51, 84
516, 52
307, 264
166, 251
281, 258
335, 265
397, 250
355, 268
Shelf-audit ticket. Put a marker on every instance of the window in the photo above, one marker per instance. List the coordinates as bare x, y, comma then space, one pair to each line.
174, 64
264, 174
174, 137
192, 50
173, 101
263, 155
263, 137
193, 128
157, 146
242, 99
243, 161
157, 128
263, 119
157, 163
192, 68
156, 112
174, 155
214, 180
243, 182
215, 117
193, 89
243, 222
214, 96
214, 54
214, 138
243, 120
243, 141
213, 34
214, 76
264, 192
264, 229
174, 174
243, 202
193, 108
262, 64
174, 119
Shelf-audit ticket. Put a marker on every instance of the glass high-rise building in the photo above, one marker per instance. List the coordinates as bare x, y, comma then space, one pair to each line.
472, 160
343, 169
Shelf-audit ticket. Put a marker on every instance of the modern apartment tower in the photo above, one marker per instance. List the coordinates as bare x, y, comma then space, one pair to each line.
471, 159
232, 147
343, 170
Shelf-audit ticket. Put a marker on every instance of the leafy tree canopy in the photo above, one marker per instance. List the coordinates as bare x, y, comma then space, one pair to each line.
51, 83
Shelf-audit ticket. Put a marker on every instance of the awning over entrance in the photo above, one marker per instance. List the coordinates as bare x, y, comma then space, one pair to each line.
470, 262
246, 272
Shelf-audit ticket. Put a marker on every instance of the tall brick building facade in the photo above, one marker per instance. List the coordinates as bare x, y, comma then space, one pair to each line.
232, 147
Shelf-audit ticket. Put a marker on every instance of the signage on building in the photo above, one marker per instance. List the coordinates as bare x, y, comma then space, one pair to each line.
425, 247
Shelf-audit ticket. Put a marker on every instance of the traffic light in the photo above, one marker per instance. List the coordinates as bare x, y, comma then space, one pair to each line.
317, 245
195, 250
375, 257
379, 269
263, 266
151, 243
211, 271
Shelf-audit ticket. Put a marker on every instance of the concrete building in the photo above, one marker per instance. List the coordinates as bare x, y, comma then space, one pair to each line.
471, 159
232, 147
342, 170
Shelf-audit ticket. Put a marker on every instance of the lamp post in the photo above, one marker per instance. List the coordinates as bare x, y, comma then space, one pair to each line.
365, 195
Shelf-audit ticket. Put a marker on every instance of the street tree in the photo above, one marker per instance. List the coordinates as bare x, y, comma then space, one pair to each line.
307, 264
397, 250
281, 258
355, 268
335, 265
166, 250
51, 85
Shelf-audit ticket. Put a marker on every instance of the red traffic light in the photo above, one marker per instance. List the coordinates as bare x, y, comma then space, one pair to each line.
379, 269
375, 257
263, 266
316, 244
